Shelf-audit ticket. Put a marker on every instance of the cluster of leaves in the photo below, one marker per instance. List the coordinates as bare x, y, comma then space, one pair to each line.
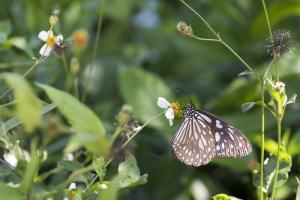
138, 37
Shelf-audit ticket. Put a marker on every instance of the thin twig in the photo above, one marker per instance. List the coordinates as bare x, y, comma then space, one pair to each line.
95, 49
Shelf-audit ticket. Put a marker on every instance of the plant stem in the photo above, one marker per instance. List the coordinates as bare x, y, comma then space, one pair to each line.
278, 157
133, 135
261, 181
267, 17
218, 38
205, 39
35, 64
95, 49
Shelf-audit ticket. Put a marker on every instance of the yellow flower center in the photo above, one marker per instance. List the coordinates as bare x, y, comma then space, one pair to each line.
51, 41
176, 108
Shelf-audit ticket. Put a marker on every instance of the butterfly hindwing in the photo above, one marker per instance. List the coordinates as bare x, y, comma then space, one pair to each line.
203, 136
229, 141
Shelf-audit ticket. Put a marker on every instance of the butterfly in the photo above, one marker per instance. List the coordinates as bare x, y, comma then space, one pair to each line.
203, 136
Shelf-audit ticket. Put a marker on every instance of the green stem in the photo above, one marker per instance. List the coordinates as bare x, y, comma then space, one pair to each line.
268, 69
236, 54
218, 38
261, 194
204, 21
133, 135
267, 17
205, 39
27, 72
95, 49
68, 83
278, 157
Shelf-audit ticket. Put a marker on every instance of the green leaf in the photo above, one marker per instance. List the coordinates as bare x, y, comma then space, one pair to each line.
31, 169
129, 173
293, 145
70, 165
99, 166
247, 106
221, 197
292, 99
10, 193
247, 72
28, 107
111, 192
269, 171
5, 29
84, 121
141, 90
14, 122
21, 43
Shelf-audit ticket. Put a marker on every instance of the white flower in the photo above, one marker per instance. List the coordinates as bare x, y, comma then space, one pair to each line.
165, 104
11, 158
50, 41
72, 186
69, 156
103, 186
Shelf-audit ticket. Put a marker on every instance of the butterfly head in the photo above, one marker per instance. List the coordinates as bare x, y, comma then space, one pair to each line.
190, 110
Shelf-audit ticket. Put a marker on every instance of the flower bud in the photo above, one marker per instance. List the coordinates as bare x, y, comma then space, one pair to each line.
54, 18
75, 66
184, 29
80, 39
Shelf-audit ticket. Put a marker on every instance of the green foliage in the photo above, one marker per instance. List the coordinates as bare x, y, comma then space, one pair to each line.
27, 107
140, 57
269, 171
129, 172
143, 96
10, 193
5, 29
89, 129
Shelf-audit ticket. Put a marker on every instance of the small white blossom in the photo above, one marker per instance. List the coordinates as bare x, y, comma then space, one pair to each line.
69, 156
103, 186
72, 186
50, 41
11, 158
165, 104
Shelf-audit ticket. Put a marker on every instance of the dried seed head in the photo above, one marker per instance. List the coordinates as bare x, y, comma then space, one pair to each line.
184, 29
279, 43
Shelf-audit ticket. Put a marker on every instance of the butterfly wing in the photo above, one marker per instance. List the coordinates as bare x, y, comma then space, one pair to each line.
194, 143
229, 141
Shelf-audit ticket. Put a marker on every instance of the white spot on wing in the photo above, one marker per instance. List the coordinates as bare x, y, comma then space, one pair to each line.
218, 124
217, 137
206, 118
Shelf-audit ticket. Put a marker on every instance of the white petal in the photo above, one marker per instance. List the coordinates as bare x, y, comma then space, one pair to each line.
43, 35
59, 39
170, 122
11, 159
163, 103
170, 114
72, 186
45, 50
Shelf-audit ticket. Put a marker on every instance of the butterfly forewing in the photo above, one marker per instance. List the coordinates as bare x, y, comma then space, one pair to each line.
194, 143
229, 141
203, 136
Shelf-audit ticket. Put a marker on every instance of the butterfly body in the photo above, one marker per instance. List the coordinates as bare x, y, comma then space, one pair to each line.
203, 136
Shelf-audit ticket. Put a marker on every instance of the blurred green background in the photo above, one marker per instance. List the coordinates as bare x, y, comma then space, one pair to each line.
142, 56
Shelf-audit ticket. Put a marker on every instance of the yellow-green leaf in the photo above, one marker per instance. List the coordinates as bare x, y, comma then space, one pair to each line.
89, 128
27, 107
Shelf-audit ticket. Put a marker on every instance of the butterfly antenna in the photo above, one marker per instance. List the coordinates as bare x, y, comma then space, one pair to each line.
184, 92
